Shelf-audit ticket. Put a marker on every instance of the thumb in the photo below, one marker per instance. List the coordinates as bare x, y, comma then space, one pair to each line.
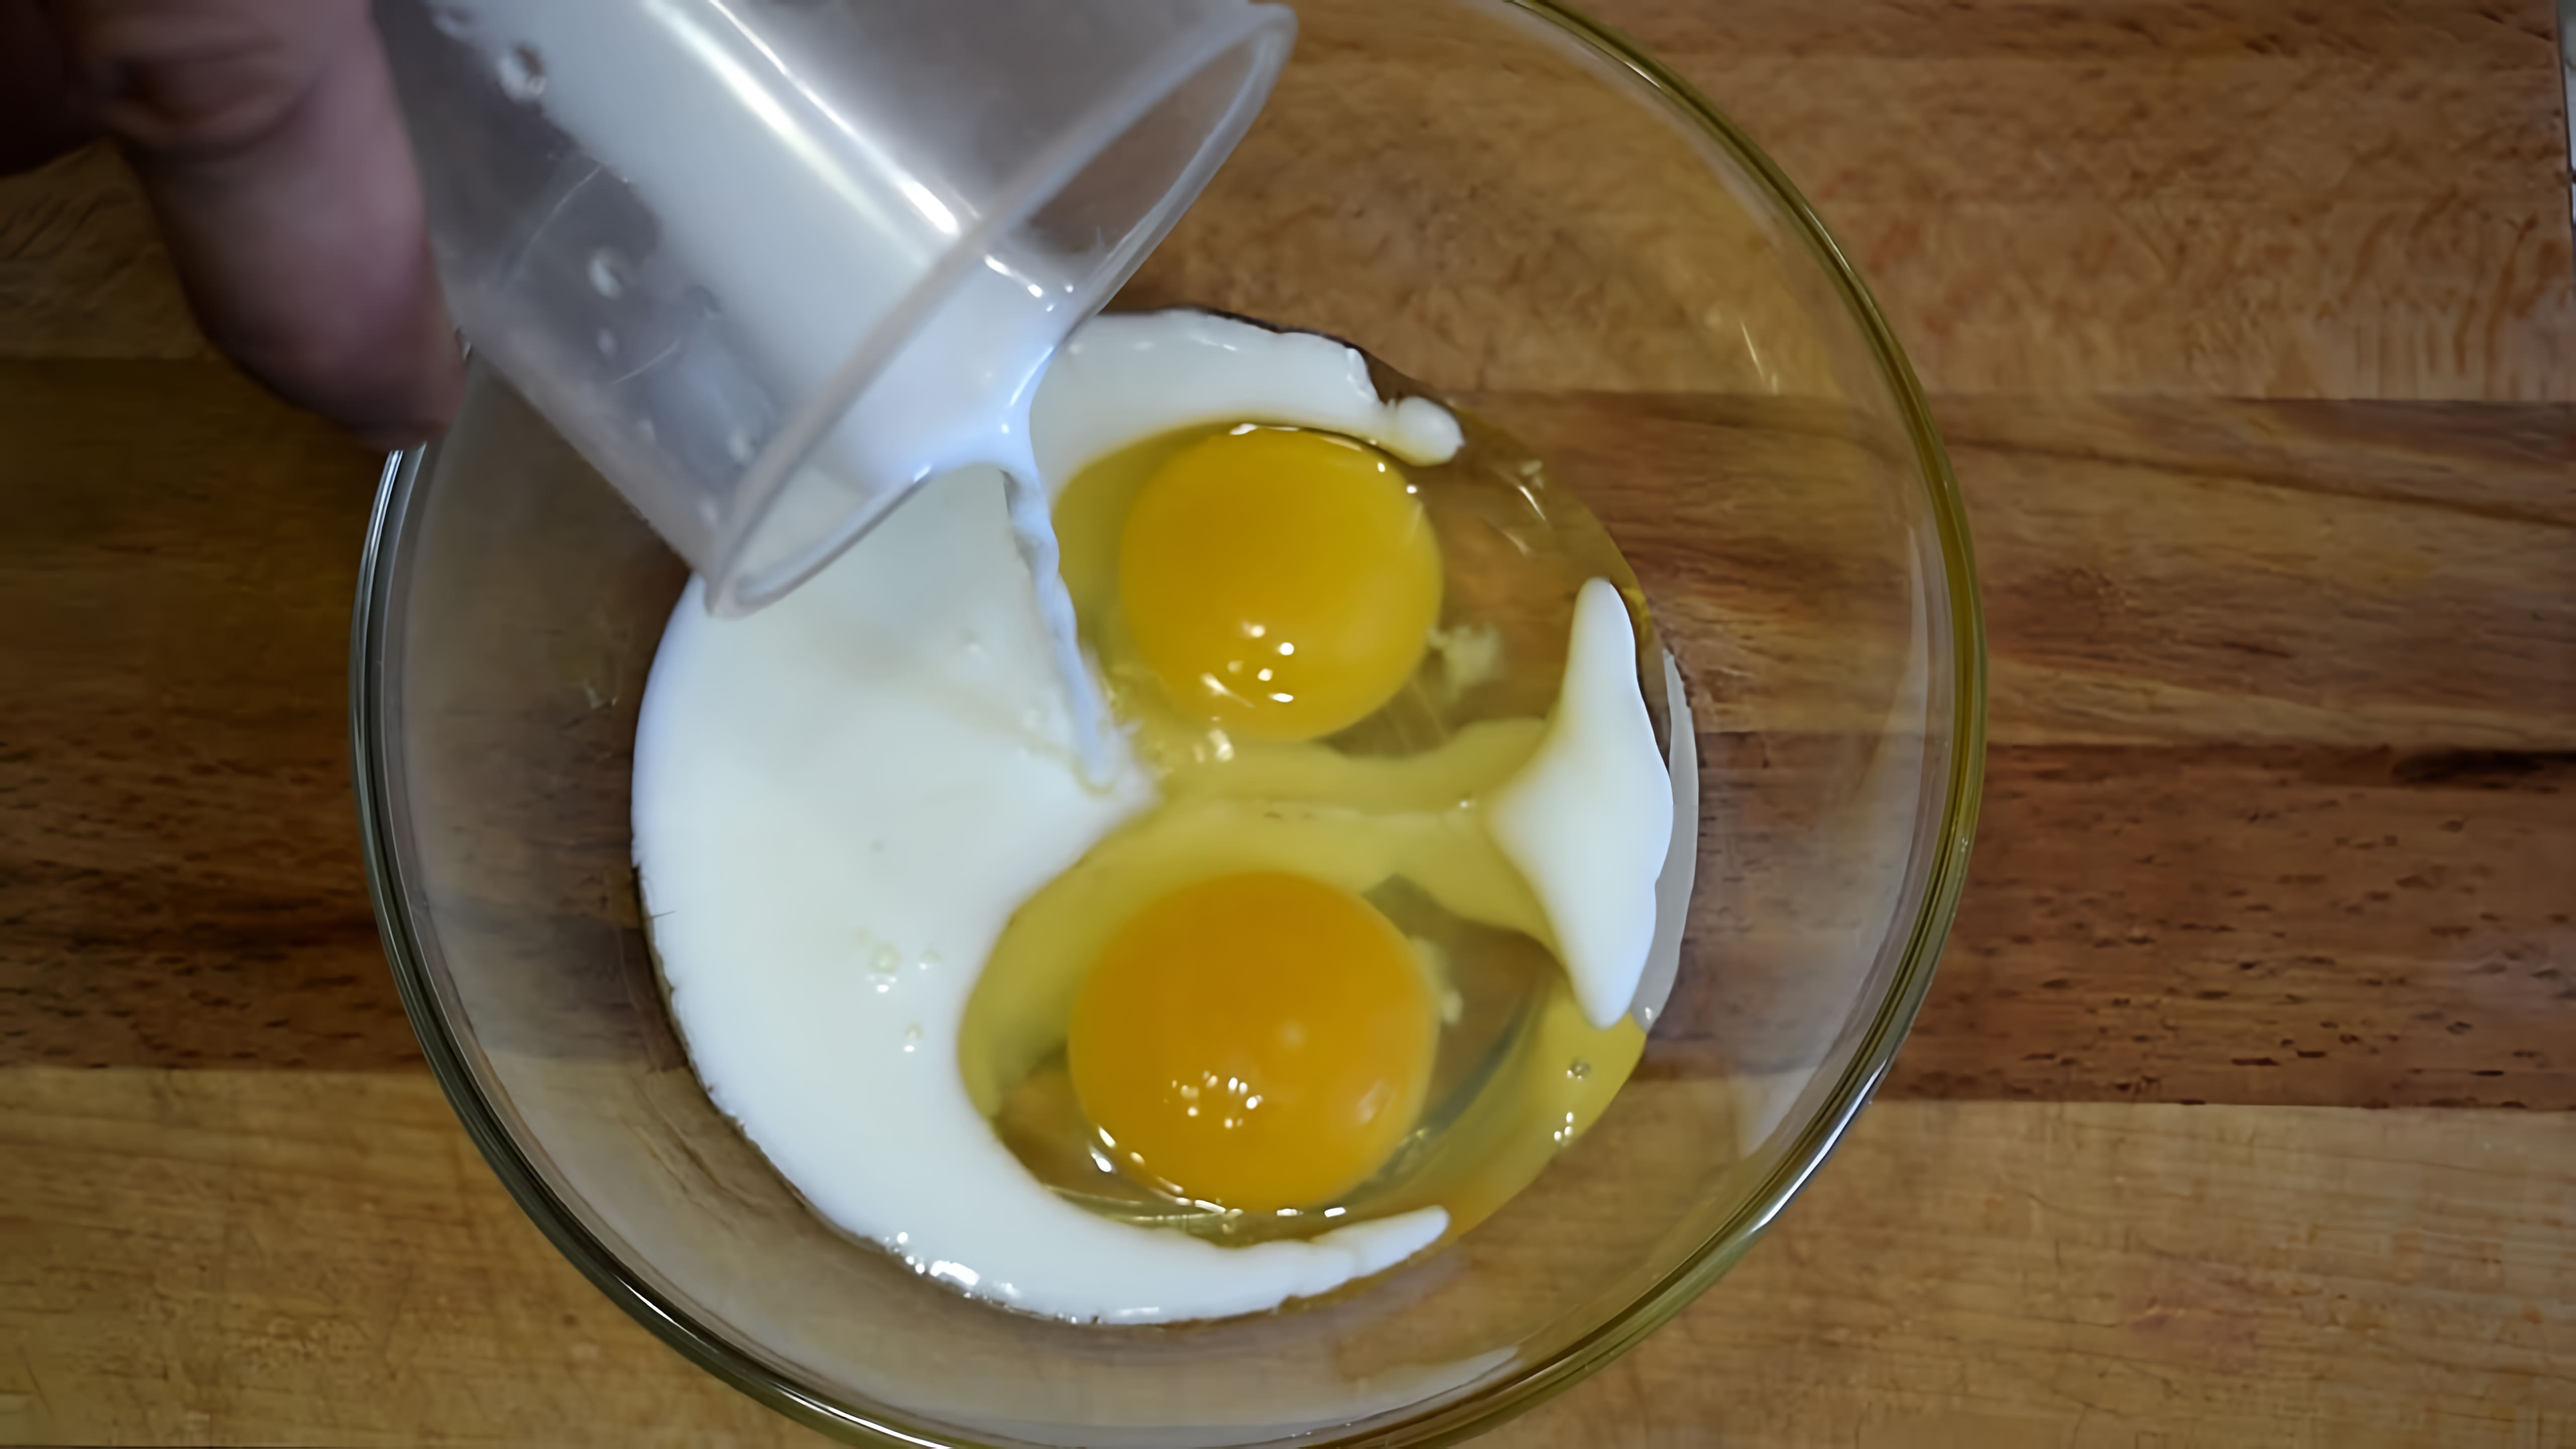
265, 135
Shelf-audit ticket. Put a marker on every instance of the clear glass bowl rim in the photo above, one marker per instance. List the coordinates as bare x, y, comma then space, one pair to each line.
1536, 1380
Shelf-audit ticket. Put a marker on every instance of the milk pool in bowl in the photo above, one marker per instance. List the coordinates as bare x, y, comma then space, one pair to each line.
1340, 945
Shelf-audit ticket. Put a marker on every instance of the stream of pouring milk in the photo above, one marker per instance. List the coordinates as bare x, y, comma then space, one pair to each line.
754, 192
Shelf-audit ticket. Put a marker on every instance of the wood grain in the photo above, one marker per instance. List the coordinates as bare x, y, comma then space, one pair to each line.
221, 1257
2178, 894
212, 1257
2495, 36
2253, 329
2367, 928
1976, 1274
179, 878
82, 273
2258, 200
2267, 199
2155, 571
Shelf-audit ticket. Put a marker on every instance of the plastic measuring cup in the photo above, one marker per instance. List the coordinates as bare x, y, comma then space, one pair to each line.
771, 263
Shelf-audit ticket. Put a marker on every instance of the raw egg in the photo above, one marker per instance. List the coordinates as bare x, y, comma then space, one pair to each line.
1262, 1041
1280, 582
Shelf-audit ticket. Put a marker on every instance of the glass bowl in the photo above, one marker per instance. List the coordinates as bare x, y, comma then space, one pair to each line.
1514, 205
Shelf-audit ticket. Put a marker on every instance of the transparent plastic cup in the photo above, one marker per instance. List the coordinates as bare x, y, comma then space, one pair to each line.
767, 264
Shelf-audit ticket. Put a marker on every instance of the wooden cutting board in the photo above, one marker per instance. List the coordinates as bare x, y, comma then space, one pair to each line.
2241, 1109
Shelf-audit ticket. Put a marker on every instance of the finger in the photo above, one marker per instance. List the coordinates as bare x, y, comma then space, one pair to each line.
266, 136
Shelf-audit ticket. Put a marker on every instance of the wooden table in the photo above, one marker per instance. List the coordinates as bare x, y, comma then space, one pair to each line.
2240, 1112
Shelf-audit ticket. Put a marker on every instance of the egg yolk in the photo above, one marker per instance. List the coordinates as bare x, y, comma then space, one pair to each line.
1280, 583
1260, 1041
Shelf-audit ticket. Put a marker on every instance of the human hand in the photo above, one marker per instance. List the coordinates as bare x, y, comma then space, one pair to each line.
266, 138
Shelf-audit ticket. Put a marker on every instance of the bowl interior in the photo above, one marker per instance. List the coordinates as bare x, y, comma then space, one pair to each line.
1503, 202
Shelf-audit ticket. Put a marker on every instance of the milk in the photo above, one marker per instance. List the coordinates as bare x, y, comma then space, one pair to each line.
809, 239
